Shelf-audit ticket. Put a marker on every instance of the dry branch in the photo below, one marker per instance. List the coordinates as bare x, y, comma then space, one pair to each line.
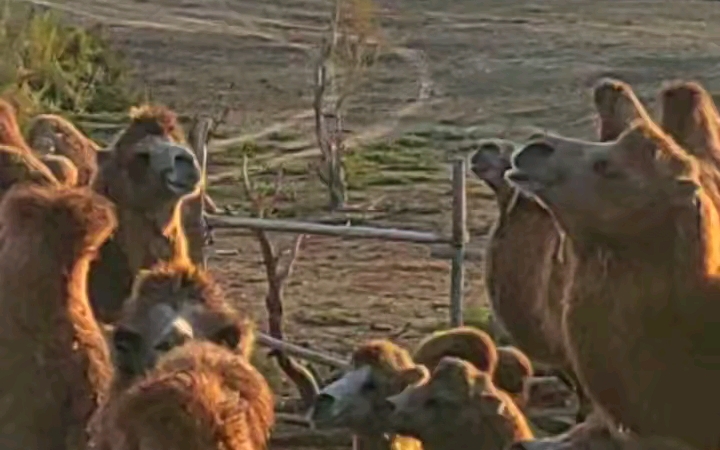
278, 267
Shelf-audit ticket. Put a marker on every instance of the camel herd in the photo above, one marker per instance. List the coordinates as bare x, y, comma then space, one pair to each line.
602, 267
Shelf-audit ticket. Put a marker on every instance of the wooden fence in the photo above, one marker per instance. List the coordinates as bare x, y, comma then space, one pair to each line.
456, 242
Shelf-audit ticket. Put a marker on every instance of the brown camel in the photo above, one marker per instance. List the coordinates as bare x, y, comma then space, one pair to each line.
56, 364
171, 303
51, 133
457, 407
528, 261
388, 368
201, 396
641, 317
146, 174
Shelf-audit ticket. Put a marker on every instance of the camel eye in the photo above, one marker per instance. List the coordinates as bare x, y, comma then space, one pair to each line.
605, 169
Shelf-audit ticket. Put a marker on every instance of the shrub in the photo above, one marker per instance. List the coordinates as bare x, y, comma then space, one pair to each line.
47, 65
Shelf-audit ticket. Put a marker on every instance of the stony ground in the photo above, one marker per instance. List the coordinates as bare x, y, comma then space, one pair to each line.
449, 71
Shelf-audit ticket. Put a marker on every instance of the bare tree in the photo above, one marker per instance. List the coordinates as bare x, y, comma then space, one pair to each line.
278, 267
351, 47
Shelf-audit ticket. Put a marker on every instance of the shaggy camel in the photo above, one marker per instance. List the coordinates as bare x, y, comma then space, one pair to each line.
457, 407
171, 303
527, 261
56, 364
641, 317
201, 396
351, 402
51, 133
146, 174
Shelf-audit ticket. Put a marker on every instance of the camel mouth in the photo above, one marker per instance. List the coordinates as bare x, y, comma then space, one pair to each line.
180, 187
525, 182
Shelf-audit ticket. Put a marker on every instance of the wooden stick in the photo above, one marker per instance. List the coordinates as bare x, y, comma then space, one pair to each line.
352, 232
459, 238
301, 352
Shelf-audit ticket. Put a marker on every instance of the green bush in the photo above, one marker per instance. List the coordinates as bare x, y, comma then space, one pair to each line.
47, 65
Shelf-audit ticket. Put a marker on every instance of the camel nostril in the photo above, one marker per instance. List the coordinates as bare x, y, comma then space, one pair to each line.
390, 406
532, 155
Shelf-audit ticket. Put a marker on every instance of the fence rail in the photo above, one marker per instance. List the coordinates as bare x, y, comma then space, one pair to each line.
455, 243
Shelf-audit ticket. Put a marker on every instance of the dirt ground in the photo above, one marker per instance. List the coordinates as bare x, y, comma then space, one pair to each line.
449, 71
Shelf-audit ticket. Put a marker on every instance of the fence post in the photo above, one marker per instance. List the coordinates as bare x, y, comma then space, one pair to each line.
459, 238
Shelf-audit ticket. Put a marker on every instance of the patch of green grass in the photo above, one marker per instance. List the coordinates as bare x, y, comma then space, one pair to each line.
402, 162
47, 65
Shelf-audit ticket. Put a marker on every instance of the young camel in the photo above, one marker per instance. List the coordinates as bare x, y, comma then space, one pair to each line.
528, 262
457, 407
201, 396
172, 303
56, 364
640, 321
381, 369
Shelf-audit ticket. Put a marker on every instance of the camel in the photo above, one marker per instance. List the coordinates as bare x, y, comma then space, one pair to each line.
457, 407
348, 402
380, 368
201, 396
130, 172
527, 260
57, 367
641, 314
146, 174
170, 304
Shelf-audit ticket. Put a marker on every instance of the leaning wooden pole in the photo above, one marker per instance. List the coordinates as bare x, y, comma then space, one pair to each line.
459, 239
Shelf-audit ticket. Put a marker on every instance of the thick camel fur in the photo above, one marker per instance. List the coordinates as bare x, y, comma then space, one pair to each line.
171, 303
62, 169
617, 106
641, 316
458, 407
201, 396
56, 364
50, 133
357, 400
688, 114
146, 174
